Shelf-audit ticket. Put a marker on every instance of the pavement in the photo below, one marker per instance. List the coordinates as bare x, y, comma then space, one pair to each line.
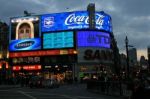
8, 86
63, 92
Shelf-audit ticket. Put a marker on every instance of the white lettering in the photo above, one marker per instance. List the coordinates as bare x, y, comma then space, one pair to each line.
73, 19
69, 19
99, 20
87, 20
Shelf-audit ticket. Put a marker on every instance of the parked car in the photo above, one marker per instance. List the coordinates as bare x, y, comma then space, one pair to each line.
36, 82
50, 83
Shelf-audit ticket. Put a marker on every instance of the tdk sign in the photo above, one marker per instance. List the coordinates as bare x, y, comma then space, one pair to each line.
74, 20
93, 39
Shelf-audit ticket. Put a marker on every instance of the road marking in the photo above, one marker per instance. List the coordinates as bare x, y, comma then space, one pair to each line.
4, 90
63, 95
85, 97
66, 96
69, 97
27, 95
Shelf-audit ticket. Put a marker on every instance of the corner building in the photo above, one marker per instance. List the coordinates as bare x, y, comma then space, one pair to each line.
61, 45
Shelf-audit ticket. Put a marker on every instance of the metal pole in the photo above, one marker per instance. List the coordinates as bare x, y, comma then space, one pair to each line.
126, 42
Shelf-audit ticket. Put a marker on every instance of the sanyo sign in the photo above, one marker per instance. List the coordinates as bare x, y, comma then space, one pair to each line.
74, 20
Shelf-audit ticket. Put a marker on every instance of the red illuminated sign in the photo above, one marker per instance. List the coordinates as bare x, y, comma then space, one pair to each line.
4, 64
34, 67
41, 53
27, 67
16, 68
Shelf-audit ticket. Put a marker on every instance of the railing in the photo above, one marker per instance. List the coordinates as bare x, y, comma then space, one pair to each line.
115, 88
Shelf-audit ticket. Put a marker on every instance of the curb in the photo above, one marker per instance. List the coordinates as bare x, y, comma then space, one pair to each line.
96, 92
9, 87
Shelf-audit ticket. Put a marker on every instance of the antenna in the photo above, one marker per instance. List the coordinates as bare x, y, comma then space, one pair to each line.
26, 13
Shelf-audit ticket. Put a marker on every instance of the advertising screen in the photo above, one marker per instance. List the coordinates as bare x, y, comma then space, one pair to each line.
74, 20
58, 40
24, 27
24, 34
93, 39
25, 44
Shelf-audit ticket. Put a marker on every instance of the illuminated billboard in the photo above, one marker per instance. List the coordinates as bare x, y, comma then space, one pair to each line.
93, 39
58, 40
25, 44
26, 67
24, 34
74, 20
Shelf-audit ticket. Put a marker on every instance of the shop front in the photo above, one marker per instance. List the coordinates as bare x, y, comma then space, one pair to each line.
93, 62
63, 73
60, 67
4, 71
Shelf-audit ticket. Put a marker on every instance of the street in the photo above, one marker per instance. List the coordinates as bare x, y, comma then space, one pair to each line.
63, 92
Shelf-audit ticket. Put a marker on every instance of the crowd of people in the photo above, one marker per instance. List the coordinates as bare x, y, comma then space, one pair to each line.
137, 85
134, 86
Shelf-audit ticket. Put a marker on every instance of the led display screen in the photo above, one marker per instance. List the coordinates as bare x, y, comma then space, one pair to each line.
93, 39
58, 40
24, 28
24, 34
74, 20
25, 44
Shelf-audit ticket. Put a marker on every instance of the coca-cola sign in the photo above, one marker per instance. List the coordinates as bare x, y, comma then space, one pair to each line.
75, 20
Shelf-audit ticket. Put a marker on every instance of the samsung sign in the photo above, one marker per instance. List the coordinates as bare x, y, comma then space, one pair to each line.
25, 44
74, 20
93, 39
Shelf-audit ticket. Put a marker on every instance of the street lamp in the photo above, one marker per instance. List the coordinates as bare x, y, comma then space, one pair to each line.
127, 60
127, 52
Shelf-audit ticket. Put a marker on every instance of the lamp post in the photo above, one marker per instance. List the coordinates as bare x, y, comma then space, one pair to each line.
127, 60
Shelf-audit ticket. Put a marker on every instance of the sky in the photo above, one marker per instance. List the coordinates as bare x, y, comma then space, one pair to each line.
130, 18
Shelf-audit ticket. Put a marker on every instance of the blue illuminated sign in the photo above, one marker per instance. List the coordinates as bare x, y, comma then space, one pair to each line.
74, 20
25, 44
93, 39
58, 40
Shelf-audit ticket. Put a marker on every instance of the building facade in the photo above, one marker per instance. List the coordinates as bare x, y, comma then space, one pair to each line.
148, 54
132, 57
61, 45
4, 43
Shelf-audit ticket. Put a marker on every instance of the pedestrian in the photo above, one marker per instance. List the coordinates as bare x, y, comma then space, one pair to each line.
138, 91
75, 80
